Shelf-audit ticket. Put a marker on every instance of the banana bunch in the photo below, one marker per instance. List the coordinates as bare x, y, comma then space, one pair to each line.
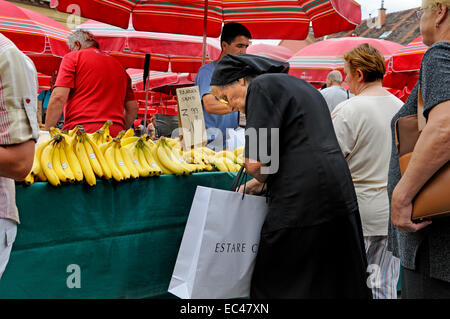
239, 154
170, 158
197, 156
225, 161
141, 157
55, 161
102, 135
91, 159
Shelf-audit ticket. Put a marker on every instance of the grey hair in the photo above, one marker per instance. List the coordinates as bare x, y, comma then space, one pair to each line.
335, 76
85, 38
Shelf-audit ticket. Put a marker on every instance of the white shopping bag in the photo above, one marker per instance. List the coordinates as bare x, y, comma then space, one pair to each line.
217, 253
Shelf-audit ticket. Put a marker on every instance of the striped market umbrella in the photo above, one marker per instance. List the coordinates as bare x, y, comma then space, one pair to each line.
276, 52
276, 19
403, 67
156, 78
37, 35
315, 61
177, 53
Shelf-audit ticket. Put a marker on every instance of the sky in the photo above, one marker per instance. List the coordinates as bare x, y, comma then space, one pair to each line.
370, 7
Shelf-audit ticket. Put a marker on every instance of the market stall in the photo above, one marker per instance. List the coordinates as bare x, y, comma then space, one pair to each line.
114, 240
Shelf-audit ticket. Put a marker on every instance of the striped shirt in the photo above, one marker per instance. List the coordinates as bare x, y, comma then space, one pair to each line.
18, 104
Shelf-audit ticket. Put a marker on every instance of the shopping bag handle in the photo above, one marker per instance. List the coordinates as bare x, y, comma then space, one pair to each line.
238, 179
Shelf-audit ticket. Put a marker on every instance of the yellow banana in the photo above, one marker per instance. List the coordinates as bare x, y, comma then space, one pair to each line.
154, 152
124, 141
47, 166
126, 155
230, 164
106, 136
139, 166
29, 179
239, 151
96, 167
151, 161
220, 165
141, 158
72, 160
109, 157
36, 169
65, 162
128, 133
85, 164
120, 162
100, 158
208, 151
56, 163
169, 160
226, 154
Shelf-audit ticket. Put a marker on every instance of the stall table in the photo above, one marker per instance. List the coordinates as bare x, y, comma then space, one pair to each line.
113, 240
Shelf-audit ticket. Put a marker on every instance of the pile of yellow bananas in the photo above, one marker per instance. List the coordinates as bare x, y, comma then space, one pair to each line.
76, 155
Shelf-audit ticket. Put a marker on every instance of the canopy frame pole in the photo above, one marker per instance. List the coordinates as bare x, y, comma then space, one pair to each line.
146, 86
205, 27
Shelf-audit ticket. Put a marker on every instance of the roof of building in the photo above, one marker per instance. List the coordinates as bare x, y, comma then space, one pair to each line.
401, 27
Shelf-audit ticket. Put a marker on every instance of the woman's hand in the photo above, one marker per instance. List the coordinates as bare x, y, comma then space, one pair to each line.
401, 212
252, 187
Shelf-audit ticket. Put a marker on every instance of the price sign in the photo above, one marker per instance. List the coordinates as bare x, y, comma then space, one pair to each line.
190, 115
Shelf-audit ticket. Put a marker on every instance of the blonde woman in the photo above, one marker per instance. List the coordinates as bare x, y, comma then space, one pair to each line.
362, 126
424, 248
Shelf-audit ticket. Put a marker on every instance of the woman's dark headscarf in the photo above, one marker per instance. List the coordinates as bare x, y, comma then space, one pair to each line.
234, 67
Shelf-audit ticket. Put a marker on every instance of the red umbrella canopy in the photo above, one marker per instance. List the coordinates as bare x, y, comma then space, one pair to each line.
183, 80
403, 67
156, 78
276, 52
32, 32
315, 61
276, 19
183, 52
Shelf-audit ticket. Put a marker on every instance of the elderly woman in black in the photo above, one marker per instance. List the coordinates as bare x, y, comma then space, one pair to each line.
311, 242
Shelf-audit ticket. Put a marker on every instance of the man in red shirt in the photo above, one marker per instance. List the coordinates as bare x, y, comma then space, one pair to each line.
92, 88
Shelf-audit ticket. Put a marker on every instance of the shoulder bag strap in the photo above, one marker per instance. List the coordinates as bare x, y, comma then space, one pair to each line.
421, 121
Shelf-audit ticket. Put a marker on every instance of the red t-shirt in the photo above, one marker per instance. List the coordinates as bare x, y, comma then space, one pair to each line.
99, 88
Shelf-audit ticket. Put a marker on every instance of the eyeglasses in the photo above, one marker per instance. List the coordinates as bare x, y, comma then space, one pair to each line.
419, 13
221, 100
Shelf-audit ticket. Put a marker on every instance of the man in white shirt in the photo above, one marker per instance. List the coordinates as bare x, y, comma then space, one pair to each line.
335, 93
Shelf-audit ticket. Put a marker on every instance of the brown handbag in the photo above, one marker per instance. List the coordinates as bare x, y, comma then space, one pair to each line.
433, 200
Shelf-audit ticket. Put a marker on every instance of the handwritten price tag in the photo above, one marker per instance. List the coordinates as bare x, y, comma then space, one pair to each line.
192, 122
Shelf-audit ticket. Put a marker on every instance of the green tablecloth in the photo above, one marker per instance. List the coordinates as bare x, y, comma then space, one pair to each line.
124, 237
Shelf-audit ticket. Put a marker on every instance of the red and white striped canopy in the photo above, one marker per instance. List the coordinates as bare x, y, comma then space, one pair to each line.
276, 52
32, 32
266, 19
156, 78
315, 61
403, 67
183, 52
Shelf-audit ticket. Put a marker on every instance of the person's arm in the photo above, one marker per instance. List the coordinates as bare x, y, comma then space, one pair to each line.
213, 106
56, 106
130, 113
344, 129
16, 160
39, 112
431, 152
